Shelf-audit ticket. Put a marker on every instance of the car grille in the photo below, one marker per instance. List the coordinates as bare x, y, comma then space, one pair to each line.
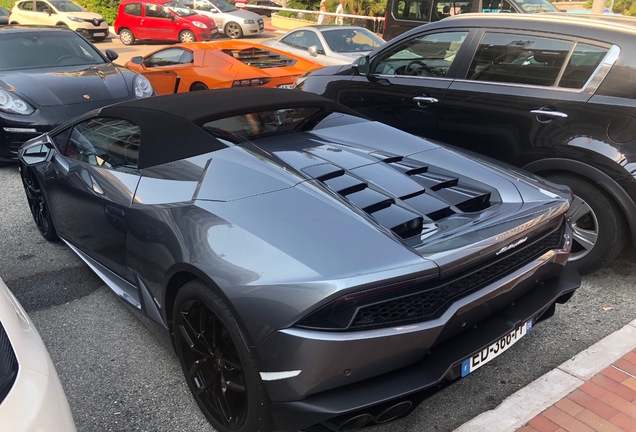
95, 21
8, 364
431, 303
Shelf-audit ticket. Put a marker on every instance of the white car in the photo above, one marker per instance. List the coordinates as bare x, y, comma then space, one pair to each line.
328, 45
31, 396
235, 23
60, 13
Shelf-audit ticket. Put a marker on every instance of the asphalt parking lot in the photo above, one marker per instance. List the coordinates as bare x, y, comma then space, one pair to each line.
119, 376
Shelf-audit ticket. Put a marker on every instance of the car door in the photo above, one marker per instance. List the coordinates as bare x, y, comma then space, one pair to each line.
299, 42
157, 23
407, 82
91, 185
164, 67
520, 93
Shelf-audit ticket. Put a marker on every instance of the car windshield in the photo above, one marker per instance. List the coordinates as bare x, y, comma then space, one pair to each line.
207, 5
4, 12
351, 40
45, 50
180, 9
67, 6
532, 6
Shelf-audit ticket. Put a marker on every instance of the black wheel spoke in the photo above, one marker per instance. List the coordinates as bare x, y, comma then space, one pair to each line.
211, 364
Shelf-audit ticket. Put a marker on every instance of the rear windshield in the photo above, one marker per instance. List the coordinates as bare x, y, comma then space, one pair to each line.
263, 123
45, 50
260, 58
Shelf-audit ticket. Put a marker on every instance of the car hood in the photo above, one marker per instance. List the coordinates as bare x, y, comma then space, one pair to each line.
83, 15
243, 14
67, 85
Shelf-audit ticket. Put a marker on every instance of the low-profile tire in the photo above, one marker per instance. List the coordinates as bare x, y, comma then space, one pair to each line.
198, 87
187, 36
233, 30
219, 369
599, 228
126, 37
39, 206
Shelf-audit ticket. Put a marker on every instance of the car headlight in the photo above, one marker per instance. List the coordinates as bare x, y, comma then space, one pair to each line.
249, 22
199, 24
74, 18
142, 87
14, 105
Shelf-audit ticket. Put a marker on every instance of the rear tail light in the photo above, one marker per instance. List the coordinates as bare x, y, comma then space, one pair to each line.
255, 82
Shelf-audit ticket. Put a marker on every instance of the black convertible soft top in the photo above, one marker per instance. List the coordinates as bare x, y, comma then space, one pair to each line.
171, 125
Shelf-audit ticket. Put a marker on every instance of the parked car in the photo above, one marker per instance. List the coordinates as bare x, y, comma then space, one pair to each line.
31, 396
256, 6
60, 13
220, 64
311, 278
328, 45
404, 15
154, 20
542, 92
235, 23
50, 75
4, 16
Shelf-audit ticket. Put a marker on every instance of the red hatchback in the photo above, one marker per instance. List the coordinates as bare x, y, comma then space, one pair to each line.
140, 19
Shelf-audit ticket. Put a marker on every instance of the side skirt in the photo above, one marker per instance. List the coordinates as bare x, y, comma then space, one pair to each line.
138, 296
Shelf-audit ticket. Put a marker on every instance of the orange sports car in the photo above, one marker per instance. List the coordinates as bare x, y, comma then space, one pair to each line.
219, 64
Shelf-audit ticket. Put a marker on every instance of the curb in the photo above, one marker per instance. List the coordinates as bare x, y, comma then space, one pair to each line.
521, 407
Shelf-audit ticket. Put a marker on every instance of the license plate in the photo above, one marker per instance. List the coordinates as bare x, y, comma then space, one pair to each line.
487, 354
99, 34
286, 86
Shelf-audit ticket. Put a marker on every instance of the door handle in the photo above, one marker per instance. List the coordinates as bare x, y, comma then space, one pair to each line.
423, 101
546, 113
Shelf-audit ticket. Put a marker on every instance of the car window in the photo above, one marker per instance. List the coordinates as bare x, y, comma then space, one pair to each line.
27, 6
213, 5
303, 39
41, 6
32, 50
156, 11
133, 9
497, 6
169, 57
180, 9
105, 142
351, 40
416, 10
519, 59
583, 62
429, 55
446, 8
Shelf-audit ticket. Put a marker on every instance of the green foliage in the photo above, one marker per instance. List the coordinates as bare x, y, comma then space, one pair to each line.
106, 8
7, 4
625, 7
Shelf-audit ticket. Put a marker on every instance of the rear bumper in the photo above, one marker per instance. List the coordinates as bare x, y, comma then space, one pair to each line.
395, 393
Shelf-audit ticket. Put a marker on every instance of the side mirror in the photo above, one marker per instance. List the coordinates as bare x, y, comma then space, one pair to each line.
48, 11
313, 51
111, 55
36, 154
138, 60
361, 65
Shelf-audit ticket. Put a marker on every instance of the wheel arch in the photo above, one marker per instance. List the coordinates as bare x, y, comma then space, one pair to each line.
607, 184
177, 277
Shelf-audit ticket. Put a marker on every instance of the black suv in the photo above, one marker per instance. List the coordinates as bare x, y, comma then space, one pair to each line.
551, 93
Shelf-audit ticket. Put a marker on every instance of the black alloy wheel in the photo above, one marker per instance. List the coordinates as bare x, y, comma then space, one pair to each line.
39, 206
218, 368
599, 230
